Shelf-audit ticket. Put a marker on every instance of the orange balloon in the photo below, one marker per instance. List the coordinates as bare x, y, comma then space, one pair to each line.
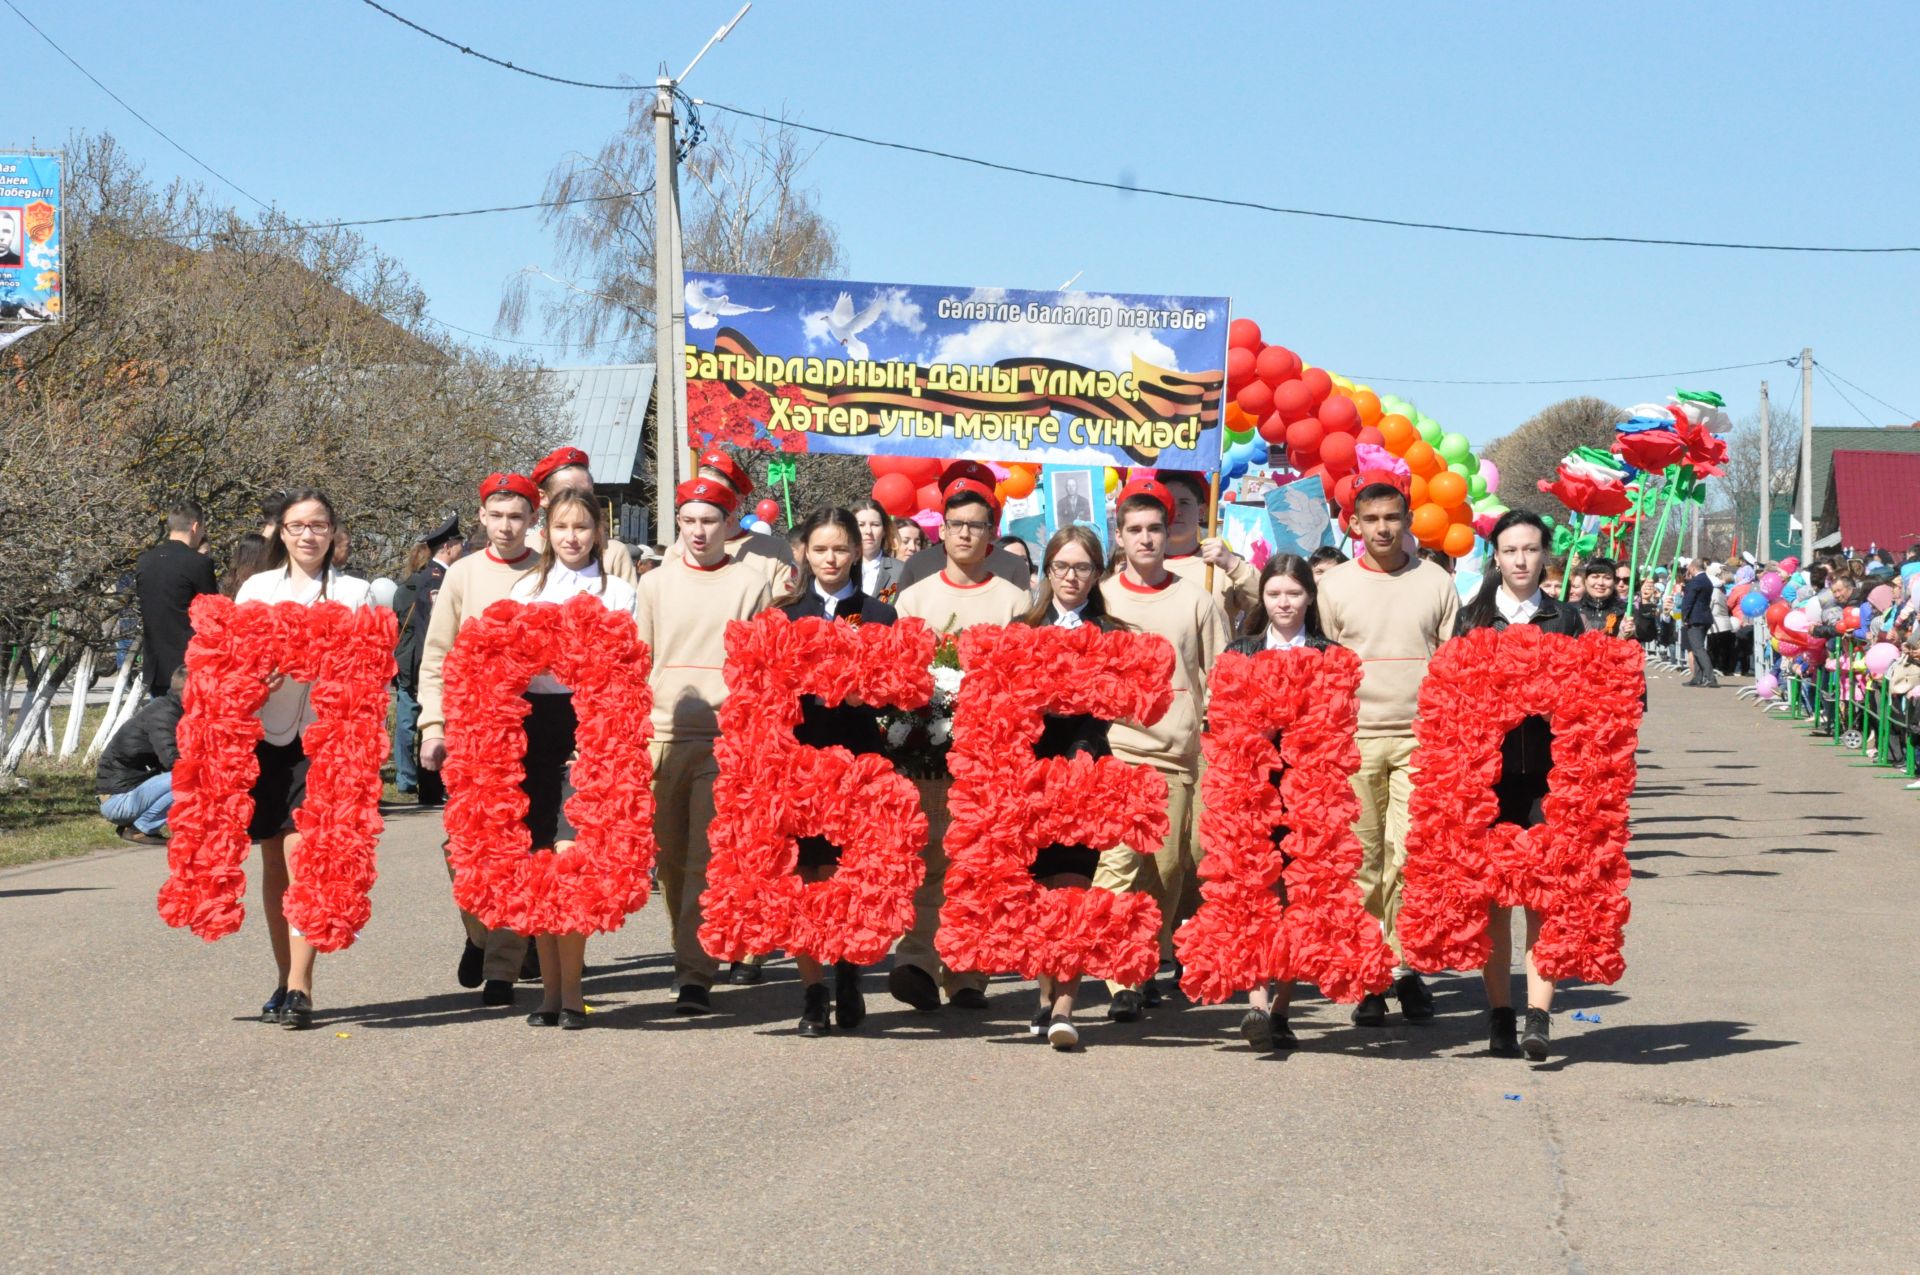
1398, 433
1446, 489
1369, 404
1422, 460
1461, 514
1416, 492
1429, 524
1238, 420
1019, 482
1457, 541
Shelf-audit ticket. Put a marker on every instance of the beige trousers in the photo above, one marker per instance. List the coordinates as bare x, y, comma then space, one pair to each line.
916, 945
505, 949
1164, 873
683, 775
1384, 782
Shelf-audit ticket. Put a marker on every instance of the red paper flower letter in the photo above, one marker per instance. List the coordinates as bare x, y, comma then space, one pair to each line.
1005, 804
346, 654
1243, 936
592, 887
773, 790
1573, 868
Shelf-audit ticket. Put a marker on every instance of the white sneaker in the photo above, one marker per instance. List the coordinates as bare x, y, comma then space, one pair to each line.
1914, 786
1062, 1034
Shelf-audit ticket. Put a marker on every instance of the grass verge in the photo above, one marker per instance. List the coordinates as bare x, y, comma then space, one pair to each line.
55, 816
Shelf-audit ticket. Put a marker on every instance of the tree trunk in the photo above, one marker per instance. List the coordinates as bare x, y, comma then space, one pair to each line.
35, 711
109, 721
77, 704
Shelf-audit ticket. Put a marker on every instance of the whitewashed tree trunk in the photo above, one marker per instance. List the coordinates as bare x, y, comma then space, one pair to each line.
109, 719
77, 704
34, 713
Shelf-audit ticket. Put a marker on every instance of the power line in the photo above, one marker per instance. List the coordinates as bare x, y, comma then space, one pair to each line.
1876, 398
436, 216
500, 62
551, 345
1576, 380
1843, 396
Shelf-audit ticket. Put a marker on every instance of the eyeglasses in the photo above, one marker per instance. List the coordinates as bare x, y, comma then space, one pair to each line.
1622, 578
969, 526
1069, 568
298, 529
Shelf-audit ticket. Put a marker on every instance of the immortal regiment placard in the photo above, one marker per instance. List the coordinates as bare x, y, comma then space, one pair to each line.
833, 366
29, 237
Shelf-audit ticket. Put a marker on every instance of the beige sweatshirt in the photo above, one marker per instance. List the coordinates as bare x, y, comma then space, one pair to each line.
744, 548
1237, 591
1394, 622
474, 583
946, 607
1186, 616
683, 613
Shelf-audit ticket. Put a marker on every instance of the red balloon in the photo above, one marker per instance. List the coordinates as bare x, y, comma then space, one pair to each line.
883, 465
1320, 472
1343, 490
1777, 613
927, 497
894, 492
1243, 334
768, 510
1277, 364
1255, 399
1371, 436
1318, 383
1303, 457
1339, 413
1292, 400
1274, 430
1240, 368
1305, 435
1336, 453
921, 469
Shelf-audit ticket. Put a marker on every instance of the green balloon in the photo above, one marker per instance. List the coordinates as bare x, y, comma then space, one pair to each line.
1454, 448
1476, 488
1460, 469
1430, 431
1472, 464
1239, 438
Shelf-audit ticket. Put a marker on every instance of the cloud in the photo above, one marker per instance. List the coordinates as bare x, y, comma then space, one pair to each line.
1110, 348
897, 311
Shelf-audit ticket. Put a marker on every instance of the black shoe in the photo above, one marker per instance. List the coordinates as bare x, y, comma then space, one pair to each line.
849, 1006
544, 1018
1539, 1030
530, 964
741, 973
496, 992
1037, 1025
573, 1020
270, 1012
471, 961
130, 833
813, 1014
1150, 994
1500, 1034
1283, 1037
297, 1014
913, 986
693, 1001
1127, 1006
1371, 1011
1416, 1002
1256, 1028
967, 998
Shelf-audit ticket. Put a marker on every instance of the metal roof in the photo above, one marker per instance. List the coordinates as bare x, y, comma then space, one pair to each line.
1877, 499
605, 409
1829, 439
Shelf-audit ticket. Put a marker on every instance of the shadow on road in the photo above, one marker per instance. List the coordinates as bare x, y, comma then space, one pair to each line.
65, 889
1655, 1044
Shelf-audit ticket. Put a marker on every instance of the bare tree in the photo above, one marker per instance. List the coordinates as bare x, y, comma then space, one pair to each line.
1738, 492
1533, 451
742, 209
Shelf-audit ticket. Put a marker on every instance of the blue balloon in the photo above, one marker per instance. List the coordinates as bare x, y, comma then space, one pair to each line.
1259, 452
1237, 469
1753, 605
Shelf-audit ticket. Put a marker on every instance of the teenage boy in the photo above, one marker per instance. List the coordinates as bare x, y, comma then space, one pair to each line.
472, 584
135, 777
1393, 611
683, 609
1148, 596
963, 593
770, 555
1601, 609
567, 467
1236, 584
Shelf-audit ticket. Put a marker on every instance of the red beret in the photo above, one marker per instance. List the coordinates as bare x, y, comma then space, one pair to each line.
559, 458
972, 469
1152, 488
510, 484
706, 491
728, 468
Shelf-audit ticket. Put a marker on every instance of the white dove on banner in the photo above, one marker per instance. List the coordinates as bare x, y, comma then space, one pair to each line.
845, 327
706, 306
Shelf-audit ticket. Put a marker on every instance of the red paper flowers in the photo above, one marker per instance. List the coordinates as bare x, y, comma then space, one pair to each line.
1005, 804
1242, 937
1573, 868
592, 887
773, 790
346, 654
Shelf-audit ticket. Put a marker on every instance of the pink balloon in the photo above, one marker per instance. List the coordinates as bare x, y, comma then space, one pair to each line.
1766, 686
1490, 475
1771, 584
1796, 622
1880, 658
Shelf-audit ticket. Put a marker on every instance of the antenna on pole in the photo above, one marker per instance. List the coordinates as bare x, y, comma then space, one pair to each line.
718, 36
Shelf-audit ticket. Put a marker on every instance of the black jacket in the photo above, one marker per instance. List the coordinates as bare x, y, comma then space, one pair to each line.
854, 727
1646, 622
141, 749
1528, 747
413, 603
1610, 618
167, 578
1696, 600
1066, 734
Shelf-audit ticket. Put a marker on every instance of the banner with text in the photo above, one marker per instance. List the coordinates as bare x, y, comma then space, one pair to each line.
836, 367
29, 237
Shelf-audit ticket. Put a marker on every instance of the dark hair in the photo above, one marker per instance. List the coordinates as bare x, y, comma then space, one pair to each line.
1326, 553
867, 504
277, 547
272, 508
900, 525
248, 557
1140, 500
1599, 566
182, 514
1817, 575
1011, 543
960, 498
1437, 558
178, 682
1381, 491
1296, 569
827, 516
1481, 611
1194, 483
548, 555
1089, 542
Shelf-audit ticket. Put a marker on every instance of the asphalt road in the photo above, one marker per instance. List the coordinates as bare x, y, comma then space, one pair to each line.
1743, 1103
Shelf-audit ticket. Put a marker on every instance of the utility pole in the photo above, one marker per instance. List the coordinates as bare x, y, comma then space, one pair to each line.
1765, 551
1806, 457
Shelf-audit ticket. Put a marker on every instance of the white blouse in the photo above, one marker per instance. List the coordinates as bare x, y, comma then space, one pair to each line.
564, 582
1277, 643
288, 711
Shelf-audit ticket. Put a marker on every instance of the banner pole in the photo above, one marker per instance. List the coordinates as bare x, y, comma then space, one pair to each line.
1213, 518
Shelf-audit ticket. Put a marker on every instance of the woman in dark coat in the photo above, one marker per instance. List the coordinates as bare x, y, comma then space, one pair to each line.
1511, 594
826, 586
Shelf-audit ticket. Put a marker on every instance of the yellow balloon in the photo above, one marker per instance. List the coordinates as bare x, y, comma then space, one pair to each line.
1113, 481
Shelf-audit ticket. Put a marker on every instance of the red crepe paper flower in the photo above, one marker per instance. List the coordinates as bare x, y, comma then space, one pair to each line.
346, 655
1706, 451
592, 887
773, 790
1005, 804
1573, 868
1582, 495
1242, 937
1651, 450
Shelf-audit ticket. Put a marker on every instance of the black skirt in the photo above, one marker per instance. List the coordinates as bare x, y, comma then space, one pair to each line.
1058, 860
280, 790
1519, 796
550, 726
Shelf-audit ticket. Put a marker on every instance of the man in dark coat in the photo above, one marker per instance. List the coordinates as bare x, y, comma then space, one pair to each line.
413, 604
1696, 612
166, 579
135, 776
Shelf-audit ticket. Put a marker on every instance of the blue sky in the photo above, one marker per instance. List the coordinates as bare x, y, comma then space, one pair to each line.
1759, 122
